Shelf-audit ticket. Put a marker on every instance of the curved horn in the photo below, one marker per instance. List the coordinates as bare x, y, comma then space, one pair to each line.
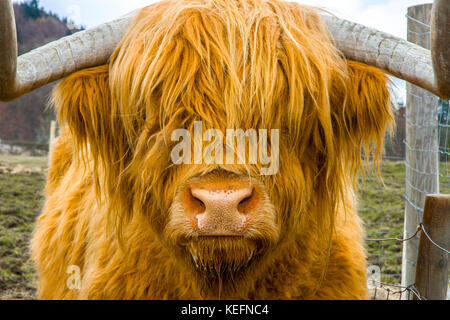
55, 60
93, 47
399, 57
8, 48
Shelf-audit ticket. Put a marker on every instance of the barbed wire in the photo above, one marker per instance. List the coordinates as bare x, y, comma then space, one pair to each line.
411, 288
420, 227
414, 149
396, 239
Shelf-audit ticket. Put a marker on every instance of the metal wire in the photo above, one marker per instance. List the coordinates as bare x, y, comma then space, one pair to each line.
431, 240
420, 227
425, 125
418, 21
396, 239
410, 288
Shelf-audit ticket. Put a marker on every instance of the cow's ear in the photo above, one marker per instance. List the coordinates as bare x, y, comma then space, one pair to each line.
364, 114
83, 104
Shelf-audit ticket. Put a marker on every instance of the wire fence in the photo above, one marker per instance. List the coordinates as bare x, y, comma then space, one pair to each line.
392, 290
385, 243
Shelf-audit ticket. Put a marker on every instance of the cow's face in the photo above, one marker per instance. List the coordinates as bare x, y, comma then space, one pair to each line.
264, 68
222, 221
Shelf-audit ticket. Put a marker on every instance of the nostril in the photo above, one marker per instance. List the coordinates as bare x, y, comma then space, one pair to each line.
218, 210
247, 204
222, 201
195, 205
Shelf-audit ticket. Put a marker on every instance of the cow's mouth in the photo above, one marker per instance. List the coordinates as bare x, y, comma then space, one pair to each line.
221, 262
214, 253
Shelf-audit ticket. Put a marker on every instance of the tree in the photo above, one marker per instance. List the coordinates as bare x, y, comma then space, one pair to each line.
32, 9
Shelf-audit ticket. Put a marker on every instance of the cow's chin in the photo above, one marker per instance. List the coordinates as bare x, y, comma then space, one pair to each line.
222, 263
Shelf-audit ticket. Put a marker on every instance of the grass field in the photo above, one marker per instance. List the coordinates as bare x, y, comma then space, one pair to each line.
382, 208
21, 199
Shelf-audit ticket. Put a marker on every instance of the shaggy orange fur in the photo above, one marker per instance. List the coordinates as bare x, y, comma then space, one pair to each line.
231, 64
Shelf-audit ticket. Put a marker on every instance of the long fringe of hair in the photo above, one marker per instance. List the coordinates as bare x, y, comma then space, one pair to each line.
232, 64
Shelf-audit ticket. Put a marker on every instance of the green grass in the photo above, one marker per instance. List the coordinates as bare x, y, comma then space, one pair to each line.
382, 209
21, 199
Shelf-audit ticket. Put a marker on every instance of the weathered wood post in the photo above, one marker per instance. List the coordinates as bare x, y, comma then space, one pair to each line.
432, 263
422, 174
52, 137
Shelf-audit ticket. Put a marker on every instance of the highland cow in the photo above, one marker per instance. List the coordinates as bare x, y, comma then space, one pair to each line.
139, 226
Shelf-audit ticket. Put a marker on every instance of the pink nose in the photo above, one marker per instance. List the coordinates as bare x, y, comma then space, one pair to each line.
224, 211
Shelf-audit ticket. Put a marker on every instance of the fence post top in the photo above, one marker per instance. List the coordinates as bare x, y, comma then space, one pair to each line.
438, 196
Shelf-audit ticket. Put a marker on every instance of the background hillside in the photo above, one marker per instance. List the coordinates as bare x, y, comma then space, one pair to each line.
26, 119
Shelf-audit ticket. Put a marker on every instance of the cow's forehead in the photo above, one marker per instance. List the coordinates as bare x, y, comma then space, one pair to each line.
236, 66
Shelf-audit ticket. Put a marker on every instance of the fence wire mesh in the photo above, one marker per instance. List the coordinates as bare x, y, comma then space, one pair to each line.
382, 203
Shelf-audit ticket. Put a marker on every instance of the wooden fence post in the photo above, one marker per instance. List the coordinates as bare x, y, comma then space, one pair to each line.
52, 137
432, 263
422, 170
